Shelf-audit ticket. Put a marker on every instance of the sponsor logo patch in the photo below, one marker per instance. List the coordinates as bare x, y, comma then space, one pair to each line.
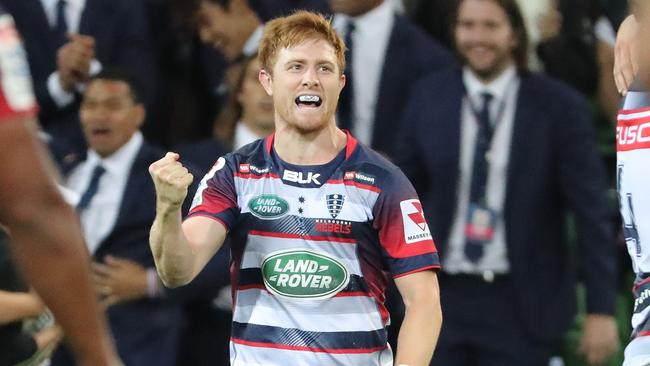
304, 274
633, 134
248, 168
415, 226
362, 178
268, 206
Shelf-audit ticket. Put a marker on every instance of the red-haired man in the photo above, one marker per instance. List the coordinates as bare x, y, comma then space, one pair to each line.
316, 221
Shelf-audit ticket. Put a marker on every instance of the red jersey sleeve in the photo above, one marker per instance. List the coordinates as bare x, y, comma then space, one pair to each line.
403, 231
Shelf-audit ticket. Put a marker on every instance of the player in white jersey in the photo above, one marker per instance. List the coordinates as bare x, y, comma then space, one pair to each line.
317, 223
633, 180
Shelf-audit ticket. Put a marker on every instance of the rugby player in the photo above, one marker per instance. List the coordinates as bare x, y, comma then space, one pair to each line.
633, 175
316, 222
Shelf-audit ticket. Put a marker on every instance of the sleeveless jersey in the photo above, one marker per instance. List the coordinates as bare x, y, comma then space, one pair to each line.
633, 178
312, 248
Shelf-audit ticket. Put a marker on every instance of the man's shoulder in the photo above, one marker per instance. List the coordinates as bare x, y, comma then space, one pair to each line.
449, 77
547, 88
369, 166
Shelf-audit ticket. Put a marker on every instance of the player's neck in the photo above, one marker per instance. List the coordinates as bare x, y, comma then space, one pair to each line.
316, 148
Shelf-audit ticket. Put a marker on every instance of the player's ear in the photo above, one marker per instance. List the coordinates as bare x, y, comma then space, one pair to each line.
267, 81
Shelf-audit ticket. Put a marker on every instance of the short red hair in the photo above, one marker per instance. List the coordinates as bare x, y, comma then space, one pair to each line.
292, 30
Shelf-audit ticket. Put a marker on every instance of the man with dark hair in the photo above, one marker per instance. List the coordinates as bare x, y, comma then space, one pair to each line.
499, 155
46, 239
115, 207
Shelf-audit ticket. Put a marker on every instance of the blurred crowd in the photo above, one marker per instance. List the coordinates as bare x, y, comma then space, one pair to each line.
118, 82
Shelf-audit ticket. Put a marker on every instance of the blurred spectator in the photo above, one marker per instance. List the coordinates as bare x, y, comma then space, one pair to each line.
117, 207
382, 46
67, 41
498, 156
577, 46
16, 305
230, 30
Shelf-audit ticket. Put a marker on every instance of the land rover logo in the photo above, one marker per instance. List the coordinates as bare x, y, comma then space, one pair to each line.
268, 206
303, 274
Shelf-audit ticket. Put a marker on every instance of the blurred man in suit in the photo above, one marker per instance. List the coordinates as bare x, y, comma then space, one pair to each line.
68, 41
115, 197
499, 155
381, 46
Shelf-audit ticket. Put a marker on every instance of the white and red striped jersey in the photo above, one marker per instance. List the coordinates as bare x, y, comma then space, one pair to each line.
16, 93
312, 248
633, 182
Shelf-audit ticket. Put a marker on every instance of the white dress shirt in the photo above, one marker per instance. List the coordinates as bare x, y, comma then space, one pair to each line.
243, 135
73, 11
369, 45
99, 218
504, 89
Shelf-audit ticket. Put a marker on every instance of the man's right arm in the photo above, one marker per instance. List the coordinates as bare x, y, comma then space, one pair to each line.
180, 249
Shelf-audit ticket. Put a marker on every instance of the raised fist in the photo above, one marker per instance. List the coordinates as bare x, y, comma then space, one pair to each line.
171, 179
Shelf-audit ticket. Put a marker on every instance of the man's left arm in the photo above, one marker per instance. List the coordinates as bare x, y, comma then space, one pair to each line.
422, 320
412, 259
583, 181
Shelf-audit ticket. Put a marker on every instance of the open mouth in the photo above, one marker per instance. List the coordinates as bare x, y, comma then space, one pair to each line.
309, 101
100, 131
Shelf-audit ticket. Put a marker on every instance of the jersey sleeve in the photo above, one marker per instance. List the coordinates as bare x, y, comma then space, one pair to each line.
16, 91
216, 196
403, 231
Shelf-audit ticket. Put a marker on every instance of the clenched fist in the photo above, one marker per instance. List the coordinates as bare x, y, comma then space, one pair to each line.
171, 179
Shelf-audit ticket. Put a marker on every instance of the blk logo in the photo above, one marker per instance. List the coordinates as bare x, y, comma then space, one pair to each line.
300, 177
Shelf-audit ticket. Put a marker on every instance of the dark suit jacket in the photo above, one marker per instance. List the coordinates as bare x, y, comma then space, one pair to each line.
145, 330
554, 167
410, 55
120, 31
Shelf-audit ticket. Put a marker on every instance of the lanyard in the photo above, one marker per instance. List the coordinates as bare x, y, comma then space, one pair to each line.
476, 112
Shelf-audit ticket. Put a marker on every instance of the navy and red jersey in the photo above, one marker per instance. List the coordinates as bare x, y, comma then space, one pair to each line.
312, 249
16, 93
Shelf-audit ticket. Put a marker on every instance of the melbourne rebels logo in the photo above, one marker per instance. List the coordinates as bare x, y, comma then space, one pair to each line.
334, 204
